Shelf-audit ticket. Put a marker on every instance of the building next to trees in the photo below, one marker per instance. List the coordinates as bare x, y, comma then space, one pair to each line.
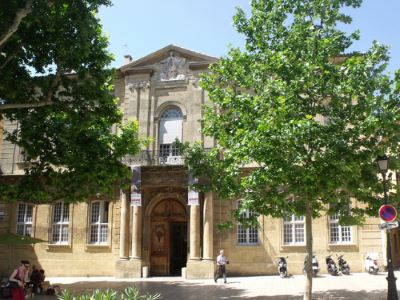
155, 230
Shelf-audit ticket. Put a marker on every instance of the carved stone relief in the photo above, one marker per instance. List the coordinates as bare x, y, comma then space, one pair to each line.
173, 67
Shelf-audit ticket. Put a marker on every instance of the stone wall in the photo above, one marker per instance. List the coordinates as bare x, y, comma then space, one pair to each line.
11, 158
262, 258
78, 258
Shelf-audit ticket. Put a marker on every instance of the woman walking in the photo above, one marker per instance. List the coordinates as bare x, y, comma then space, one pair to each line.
19, 276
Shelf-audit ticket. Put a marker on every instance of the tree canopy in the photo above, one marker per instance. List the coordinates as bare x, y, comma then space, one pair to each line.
310, 116
57, 86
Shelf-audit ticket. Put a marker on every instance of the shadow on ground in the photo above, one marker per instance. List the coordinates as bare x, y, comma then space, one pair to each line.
194, 291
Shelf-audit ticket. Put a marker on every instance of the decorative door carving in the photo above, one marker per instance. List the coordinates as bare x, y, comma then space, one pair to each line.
159, 248
163, 215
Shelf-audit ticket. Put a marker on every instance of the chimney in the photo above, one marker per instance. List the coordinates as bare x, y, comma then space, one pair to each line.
127, 59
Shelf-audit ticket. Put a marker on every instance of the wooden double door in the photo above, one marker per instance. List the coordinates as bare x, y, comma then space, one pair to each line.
168, 252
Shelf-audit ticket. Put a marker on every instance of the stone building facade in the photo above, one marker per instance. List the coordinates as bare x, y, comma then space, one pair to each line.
164, 235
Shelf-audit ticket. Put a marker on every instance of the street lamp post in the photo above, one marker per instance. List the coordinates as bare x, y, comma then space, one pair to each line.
392, 289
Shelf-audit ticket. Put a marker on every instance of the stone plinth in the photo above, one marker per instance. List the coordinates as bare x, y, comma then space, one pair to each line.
125, 268
196, 269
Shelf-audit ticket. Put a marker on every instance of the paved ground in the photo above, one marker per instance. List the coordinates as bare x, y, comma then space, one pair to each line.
359, 286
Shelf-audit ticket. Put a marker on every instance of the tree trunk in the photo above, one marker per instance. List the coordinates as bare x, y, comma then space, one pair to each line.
309, 248
20, 14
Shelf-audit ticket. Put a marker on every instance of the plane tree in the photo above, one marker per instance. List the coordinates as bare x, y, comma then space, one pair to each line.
299, 120
56, 87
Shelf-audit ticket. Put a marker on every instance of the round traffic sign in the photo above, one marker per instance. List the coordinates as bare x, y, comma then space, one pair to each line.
387, 213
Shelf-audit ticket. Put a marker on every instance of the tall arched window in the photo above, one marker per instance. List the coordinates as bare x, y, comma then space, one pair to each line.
170, 130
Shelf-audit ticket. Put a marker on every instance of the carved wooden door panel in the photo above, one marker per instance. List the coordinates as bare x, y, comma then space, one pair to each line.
166, 213
159, 249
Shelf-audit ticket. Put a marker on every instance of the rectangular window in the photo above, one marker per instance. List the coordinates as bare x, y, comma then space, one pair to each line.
98, 230
168, 150
2, 212
249, 235
339, 234
60, 224
24, 219
293, 230
170, 155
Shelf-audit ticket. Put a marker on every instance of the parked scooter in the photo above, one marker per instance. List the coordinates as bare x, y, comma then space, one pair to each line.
344, 267
371, 265
331, 265
314, 265
282, 267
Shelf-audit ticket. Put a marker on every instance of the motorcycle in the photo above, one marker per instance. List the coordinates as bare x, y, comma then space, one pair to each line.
331, 265
371, 265
282, 267
314, 265
343, 265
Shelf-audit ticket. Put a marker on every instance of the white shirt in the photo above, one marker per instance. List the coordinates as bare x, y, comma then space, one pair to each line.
221, 260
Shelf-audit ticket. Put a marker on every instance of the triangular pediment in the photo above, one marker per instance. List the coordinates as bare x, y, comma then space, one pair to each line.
163, 54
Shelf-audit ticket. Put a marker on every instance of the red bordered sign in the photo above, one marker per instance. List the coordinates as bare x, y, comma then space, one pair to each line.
388, 213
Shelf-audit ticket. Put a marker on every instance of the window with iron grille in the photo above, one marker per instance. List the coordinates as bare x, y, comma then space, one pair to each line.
247, 235
293, 230
98, 229
60, 224
339, 234
170, 130
167, 150
24, 219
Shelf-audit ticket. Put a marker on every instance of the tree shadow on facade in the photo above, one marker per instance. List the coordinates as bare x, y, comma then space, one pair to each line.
13, 249
175, 290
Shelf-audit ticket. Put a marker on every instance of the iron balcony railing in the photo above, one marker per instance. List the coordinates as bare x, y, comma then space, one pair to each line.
154, 158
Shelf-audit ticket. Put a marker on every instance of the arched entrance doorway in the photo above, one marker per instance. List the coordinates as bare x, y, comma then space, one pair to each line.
168, 230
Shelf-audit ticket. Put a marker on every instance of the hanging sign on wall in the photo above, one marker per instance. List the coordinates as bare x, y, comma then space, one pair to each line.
193, 196
136, 183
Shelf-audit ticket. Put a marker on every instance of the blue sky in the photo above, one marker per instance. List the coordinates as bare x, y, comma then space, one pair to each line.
141, 27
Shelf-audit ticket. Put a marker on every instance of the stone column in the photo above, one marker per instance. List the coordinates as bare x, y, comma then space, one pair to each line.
195, 232
197, 267
123, 226
136, 233
208, 229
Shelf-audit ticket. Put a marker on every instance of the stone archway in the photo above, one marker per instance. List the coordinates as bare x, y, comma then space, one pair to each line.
168, 238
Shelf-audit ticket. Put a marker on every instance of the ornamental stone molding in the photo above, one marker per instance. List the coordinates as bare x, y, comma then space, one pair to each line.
144, 84
195, 82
